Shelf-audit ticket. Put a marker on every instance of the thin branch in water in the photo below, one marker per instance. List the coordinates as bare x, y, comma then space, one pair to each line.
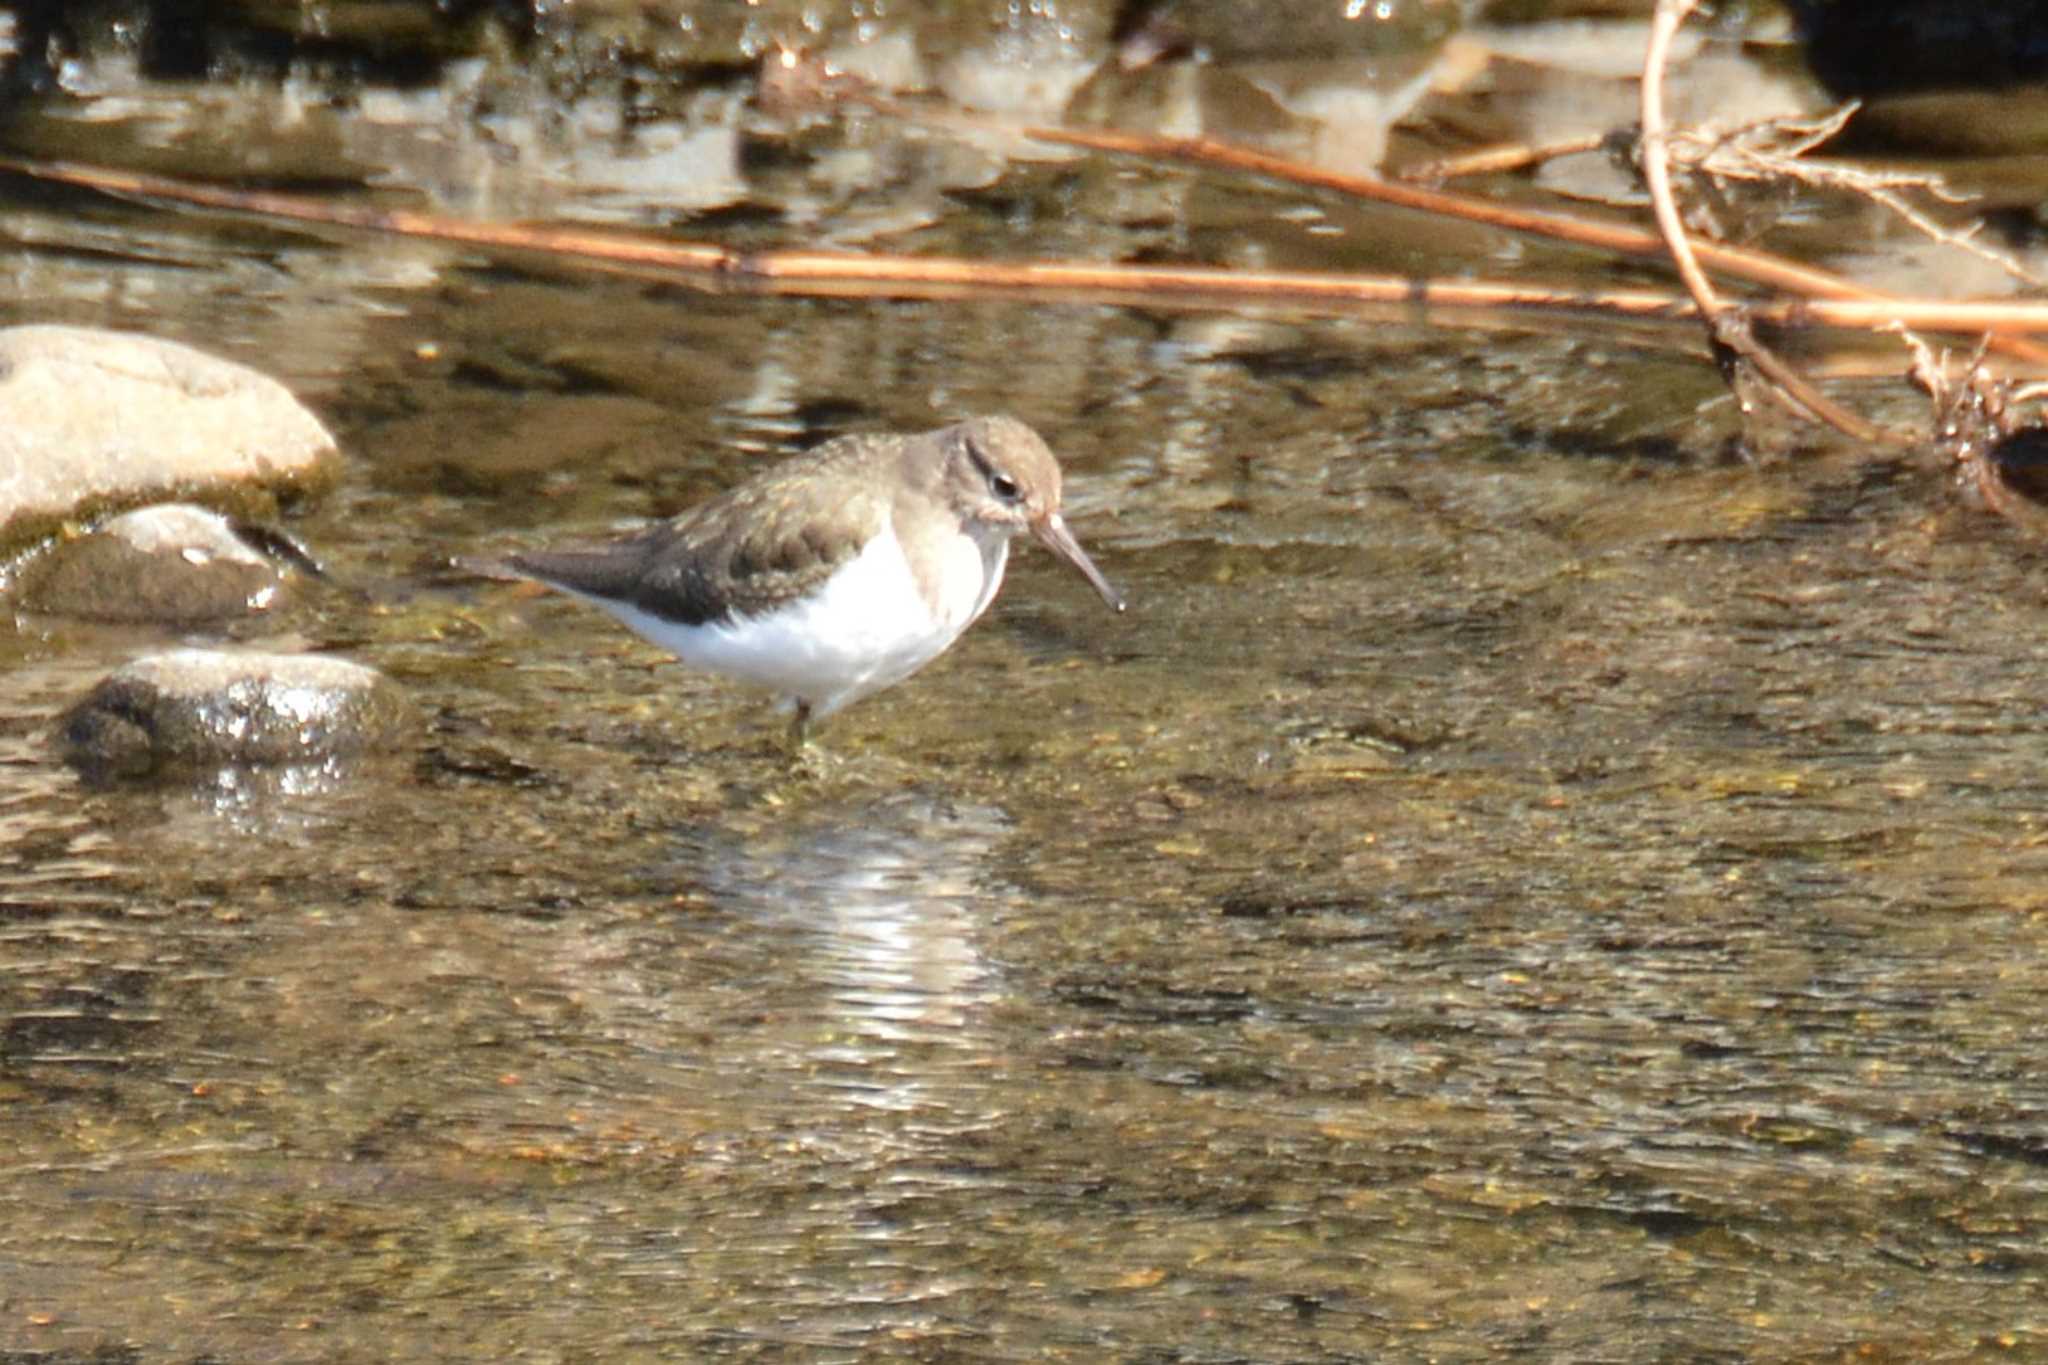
1500, 160
1996, 449
794, 83
1732, 337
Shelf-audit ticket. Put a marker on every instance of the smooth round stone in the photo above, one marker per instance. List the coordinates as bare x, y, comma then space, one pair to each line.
172, 564
91, 419
209, 708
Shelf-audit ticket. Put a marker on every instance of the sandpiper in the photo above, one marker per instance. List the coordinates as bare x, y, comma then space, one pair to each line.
835, 574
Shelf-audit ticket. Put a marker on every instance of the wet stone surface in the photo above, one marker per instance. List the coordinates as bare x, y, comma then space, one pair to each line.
170, 564
194, 709
91, 418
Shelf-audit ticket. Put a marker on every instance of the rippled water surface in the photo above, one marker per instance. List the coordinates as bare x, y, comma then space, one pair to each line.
1521, 882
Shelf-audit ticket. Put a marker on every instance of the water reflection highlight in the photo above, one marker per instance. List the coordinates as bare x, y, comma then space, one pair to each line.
883, 902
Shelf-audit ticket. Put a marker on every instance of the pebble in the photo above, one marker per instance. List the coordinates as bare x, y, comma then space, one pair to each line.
172, 564
198, 708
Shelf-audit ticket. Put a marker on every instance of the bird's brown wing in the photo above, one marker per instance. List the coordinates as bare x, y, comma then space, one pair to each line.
740, 554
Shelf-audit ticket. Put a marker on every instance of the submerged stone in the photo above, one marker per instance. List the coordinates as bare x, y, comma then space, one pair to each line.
209, 708
173, 564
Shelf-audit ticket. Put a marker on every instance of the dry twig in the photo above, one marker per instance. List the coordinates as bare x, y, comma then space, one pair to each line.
1501, 160
1825, 300
1733, 340
854, 274
1778, 151
801, 83
1997, 449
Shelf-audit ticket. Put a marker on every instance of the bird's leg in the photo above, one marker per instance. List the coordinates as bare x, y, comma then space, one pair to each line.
807, 761
800, 730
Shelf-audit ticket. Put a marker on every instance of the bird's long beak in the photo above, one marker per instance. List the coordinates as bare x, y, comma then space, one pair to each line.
1052, 533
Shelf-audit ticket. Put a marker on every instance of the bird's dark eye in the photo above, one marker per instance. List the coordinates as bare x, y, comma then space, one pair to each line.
1002, 485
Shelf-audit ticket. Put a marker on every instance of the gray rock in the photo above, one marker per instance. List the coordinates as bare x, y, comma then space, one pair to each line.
93, 419
194, 708
173, 564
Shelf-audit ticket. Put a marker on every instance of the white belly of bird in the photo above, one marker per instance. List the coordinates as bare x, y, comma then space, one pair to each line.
865, 628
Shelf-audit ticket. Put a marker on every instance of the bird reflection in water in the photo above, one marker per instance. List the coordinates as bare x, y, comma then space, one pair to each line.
883, 904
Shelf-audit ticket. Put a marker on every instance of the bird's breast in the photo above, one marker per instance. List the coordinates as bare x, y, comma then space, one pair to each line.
956, 573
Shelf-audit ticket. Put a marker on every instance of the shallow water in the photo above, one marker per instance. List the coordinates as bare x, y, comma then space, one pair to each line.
1521, 881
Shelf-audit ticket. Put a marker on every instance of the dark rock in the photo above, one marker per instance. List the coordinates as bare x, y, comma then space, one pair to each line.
2020, 460
193, 708
1887, 47
172, 564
